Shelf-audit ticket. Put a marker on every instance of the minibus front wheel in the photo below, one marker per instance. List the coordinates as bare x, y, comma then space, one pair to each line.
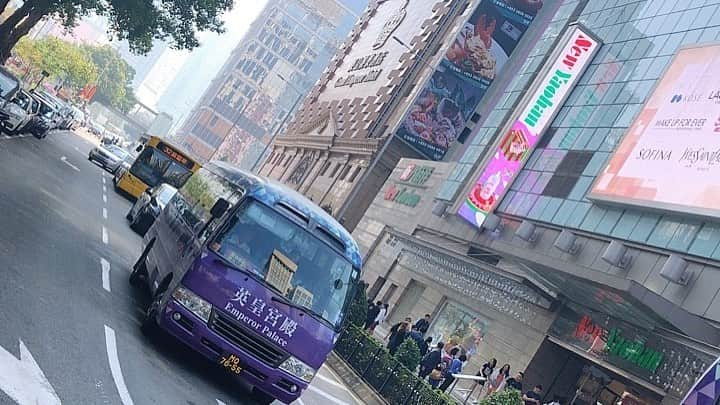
149, 322
139, 271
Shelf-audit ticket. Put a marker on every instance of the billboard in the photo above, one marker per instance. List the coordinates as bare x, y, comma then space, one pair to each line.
483, 46
670, 157
519, 141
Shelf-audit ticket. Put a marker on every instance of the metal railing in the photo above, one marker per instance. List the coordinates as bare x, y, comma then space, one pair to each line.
384, 373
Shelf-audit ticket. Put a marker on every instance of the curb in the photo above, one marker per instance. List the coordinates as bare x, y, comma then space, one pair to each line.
353, 381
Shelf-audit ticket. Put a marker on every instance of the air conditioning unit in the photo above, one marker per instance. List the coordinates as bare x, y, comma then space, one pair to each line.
567, 242
675, 270
616, 255
527, 232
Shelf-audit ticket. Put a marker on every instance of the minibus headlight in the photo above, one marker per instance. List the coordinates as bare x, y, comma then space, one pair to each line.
298, 369
193, 303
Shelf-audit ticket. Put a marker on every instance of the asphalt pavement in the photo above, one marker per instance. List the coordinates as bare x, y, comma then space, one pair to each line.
69, 319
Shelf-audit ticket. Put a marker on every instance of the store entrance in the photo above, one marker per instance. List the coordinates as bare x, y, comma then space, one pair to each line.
575, 379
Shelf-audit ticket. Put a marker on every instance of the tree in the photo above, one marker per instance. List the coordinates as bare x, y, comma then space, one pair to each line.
357, 311
408, 354
504, 397
65, 62
137, 21
114, 77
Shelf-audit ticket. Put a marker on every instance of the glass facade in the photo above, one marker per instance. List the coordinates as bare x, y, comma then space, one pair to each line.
640, 38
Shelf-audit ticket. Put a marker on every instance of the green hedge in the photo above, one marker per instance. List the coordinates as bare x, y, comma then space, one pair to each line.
397, 384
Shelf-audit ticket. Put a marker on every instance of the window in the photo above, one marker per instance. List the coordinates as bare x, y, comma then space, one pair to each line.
354, 174
344, 172
463, 135
475, 118
567, 174
325, 168
335, 170
213, 120
287, 161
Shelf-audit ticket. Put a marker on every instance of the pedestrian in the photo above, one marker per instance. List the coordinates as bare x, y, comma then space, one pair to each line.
515, 382
423, 324
380, 318
372, 312
398, 337
395, 327
435, 376
486, 371
455, 368
533, 397
497, 379
426, 346
431, 360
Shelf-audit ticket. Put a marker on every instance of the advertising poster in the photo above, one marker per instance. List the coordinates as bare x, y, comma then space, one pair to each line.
474, 59
518, 143
670, 157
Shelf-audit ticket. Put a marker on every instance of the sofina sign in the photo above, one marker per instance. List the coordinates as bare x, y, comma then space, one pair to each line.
520, 140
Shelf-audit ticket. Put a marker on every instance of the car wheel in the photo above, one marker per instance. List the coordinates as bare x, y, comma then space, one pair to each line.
149, 323
139, 268
129, 216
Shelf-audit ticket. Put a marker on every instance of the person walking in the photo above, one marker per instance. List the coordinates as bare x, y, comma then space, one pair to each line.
395, 327
426, 346
533, 397
515, 382
398, 337
380, 317
497, 379
423, 324
372, 312
486, 371
431, 360
455, 368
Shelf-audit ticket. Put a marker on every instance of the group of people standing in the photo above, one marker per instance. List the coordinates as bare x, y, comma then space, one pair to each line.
440, 364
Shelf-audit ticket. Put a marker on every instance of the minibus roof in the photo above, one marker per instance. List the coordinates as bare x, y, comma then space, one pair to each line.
272, 193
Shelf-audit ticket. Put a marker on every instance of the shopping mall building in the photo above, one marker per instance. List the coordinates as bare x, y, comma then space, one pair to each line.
557, 208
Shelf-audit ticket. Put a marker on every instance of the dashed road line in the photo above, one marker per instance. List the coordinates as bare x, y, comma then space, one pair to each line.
219, 402
64, 160
104, 198
300, 401
103, 179
105, 274
111, 346
104, 188
104, 235
104, 213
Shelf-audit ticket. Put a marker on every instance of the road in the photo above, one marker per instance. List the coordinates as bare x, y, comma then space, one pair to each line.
70, 321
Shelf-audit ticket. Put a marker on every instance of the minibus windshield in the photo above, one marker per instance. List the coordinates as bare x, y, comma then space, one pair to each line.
318, 276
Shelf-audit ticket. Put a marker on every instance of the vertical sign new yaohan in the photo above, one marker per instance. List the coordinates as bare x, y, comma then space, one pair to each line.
519, 141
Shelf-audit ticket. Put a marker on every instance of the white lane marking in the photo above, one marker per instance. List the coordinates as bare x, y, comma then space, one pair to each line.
64, 160
104, 235
111, 346
77, 149
337, 378
105, 274
219, 402
104, 188
331, 382
104, 198
103, 179
327, 396
300, 401
23, 380
104, 213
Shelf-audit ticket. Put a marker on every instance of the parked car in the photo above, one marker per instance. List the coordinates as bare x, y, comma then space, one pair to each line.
46, 120
148, 206
20, 112
108, 156
9, 85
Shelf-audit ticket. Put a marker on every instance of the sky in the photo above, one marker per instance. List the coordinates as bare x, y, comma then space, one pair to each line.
201, 66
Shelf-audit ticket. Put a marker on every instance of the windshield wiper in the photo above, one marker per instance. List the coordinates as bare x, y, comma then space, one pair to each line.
303, 309
228, 263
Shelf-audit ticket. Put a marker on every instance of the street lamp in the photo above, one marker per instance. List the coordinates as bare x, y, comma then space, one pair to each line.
279, 128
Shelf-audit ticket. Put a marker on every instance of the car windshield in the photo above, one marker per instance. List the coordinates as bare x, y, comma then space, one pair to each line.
7, 84
154, 167
22, 100
297, 264
165, 194
45, 109
119, 152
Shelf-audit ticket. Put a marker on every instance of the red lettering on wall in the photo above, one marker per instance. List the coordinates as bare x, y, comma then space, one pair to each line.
391, 193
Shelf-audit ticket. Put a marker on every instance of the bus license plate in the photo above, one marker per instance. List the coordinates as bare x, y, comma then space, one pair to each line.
231, 363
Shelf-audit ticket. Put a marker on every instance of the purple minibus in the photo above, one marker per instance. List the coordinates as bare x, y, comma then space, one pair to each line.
707, 389
250, 274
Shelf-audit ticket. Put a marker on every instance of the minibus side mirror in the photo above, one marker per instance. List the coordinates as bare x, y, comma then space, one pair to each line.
219, 208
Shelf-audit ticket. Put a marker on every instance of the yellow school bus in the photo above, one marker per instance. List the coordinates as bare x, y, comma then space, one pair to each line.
159, 162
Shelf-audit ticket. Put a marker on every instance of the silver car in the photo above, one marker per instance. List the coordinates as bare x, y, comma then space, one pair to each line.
110, 157
148, 206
